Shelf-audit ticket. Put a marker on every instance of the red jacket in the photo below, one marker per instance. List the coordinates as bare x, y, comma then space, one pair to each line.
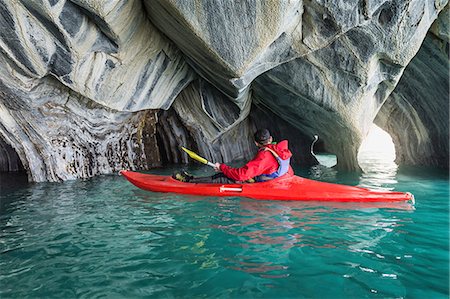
263, 163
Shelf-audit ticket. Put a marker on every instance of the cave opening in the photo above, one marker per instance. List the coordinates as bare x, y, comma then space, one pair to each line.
322, 155
9, 159
12, 172
377, 150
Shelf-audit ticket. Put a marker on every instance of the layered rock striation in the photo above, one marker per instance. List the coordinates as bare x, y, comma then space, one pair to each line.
90, 87
108, 53
62, 135
71, 71
337, 91
416, 113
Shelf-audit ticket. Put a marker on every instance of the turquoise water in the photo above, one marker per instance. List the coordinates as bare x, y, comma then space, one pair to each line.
105, 238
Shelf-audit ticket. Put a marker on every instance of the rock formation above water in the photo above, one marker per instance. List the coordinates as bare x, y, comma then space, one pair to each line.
90, 87
416, 114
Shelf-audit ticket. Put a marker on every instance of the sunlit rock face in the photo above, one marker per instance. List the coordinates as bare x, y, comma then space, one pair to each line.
232, 42
81, 80
416, 114
228, 42
109, 53
337, 91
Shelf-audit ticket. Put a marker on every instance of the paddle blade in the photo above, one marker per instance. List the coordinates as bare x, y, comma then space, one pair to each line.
195, 156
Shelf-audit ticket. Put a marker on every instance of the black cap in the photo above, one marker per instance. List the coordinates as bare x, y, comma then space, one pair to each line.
262, 135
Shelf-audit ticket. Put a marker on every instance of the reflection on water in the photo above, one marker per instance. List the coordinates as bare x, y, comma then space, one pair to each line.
264, 229
376, 158
379, 171
106, 238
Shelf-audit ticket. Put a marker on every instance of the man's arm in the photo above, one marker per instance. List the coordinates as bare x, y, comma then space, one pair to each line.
253, 168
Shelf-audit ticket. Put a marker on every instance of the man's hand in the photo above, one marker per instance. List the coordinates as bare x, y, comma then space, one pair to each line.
217, 167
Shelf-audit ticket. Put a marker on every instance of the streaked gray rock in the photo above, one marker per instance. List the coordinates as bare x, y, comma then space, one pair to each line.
232, 42
337, 91
109, 53
109, 60
416, 114
60, 135
218, 127
78, 77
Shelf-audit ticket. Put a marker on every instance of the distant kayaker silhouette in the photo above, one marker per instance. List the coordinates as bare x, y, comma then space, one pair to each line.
271, 161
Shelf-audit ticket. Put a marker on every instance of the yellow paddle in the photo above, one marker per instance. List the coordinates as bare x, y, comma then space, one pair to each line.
197, 157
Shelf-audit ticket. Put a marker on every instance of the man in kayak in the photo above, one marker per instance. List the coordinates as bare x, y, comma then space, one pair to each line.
271, 161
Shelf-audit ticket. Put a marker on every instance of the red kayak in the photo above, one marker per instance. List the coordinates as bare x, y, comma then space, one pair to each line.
287, 187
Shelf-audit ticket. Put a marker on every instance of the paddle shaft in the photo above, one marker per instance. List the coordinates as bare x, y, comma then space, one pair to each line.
210, 164
195, 156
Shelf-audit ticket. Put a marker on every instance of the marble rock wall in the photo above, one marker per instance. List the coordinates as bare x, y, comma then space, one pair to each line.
416, 114
230, 43
72, 73
90, 87
61, 135
220, 130
337, 91
109, 53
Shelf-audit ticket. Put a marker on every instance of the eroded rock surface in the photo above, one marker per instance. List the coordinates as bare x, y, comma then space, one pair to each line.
108, 59
232, 42
337, 91
61, 135
416, 114
220, 130
80, 80
108, 52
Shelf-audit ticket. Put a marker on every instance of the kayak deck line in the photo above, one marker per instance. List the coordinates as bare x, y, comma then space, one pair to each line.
287, 187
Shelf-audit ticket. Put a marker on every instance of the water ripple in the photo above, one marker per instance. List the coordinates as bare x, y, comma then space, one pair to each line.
105, 238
